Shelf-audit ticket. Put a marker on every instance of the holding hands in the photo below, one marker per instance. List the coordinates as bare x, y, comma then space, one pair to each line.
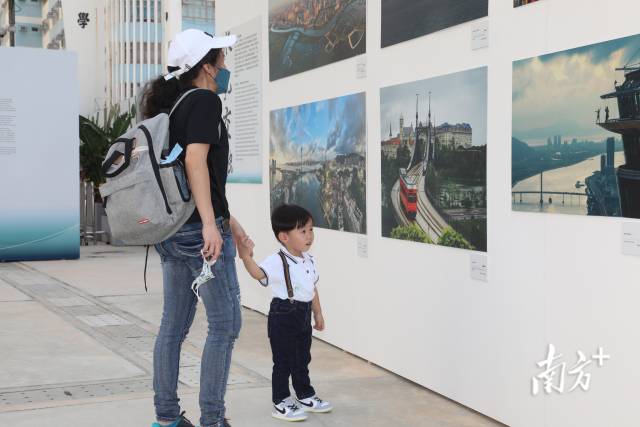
245, 247
244, 244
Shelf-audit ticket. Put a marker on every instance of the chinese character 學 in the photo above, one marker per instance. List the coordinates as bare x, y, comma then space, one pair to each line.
83, 19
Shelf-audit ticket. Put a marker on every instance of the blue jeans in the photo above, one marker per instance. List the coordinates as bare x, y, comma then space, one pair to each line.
181, 264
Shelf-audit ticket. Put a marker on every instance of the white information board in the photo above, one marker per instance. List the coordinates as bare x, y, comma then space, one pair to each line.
242, 106
39, 166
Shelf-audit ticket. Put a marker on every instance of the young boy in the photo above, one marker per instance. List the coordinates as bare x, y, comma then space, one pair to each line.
292, 274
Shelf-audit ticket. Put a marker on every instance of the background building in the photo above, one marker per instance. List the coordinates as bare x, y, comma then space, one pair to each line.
454, 136
138, 39
21, 23
5, 24
52, 25
199, 14
134, 53
121, 44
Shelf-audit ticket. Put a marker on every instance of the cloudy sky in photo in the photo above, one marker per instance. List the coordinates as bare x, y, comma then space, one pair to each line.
322, 129
559, 93
455, 98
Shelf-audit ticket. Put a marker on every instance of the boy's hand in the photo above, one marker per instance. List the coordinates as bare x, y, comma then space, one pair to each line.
245, 247
318, 321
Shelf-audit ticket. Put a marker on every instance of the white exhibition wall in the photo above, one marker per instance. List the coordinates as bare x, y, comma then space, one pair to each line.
413, 308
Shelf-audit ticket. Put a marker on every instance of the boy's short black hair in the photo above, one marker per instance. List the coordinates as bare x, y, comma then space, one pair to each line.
289, 217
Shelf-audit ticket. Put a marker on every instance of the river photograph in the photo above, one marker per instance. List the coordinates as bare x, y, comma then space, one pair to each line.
306, 34
575, 145
318, 160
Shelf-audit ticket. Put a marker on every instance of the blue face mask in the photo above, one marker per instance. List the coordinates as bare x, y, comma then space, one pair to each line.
222, 80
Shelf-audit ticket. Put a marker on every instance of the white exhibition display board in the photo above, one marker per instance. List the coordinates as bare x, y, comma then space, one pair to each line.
474, 326
243, 104
39, 169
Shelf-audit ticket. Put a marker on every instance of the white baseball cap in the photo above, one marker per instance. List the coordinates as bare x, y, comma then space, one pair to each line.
188, 47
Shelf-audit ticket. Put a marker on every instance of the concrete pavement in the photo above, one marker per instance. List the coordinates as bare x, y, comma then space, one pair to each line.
76, 349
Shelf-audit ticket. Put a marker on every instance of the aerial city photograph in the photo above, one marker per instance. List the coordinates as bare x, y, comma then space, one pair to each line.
318, 160
306, 34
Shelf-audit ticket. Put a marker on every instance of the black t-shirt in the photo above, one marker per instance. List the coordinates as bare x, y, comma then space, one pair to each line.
198, 119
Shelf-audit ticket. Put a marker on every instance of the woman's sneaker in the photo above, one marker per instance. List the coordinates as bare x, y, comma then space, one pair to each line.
315, 404
182, 421
287, 410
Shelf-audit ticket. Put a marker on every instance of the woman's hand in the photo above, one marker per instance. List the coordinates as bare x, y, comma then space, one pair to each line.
244, 244
237, 231
212, 242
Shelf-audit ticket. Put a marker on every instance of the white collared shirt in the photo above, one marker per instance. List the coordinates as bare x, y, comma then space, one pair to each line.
303, 272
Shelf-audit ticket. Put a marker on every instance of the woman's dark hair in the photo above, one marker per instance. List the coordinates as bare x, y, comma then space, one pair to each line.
160, 94
289, 217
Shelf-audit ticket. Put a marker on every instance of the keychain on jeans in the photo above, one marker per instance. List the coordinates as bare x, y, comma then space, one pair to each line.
205, 275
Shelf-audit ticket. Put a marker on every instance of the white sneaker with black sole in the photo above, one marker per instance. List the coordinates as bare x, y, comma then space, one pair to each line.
315, 404
287, 410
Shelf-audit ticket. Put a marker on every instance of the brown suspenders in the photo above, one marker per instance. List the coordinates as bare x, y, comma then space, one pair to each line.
287, 276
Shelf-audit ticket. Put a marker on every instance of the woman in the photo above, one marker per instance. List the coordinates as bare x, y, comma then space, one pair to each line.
196, 60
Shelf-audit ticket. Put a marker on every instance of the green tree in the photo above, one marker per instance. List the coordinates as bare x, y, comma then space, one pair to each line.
453, 239
403, 156
411, 232
95, 138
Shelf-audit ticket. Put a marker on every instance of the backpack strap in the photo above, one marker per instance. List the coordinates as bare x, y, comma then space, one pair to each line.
146, 261
287, 275
116, 155
155, 167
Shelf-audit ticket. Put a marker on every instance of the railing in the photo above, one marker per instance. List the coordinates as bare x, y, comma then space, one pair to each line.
557, 193
92, 227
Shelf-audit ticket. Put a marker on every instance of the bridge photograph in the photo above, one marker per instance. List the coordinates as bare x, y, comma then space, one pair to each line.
434, 154
576, 131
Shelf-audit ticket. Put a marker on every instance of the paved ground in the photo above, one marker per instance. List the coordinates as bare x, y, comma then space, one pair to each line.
76, 349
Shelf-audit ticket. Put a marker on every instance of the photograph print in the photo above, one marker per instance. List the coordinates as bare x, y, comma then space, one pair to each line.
576, 131
318, 161
518, 3
434, 160
306, 34
404, 20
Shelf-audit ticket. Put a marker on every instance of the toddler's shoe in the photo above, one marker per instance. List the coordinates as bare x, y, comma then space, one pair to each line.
315, 404
287, 410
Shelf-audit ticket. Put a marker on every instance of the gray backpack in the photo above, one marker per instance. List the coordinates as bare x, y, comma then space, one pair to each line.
147, 198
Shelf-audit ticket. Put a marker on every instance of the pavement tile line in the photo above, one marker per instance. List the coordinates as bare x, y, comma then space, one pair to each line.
123, 333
